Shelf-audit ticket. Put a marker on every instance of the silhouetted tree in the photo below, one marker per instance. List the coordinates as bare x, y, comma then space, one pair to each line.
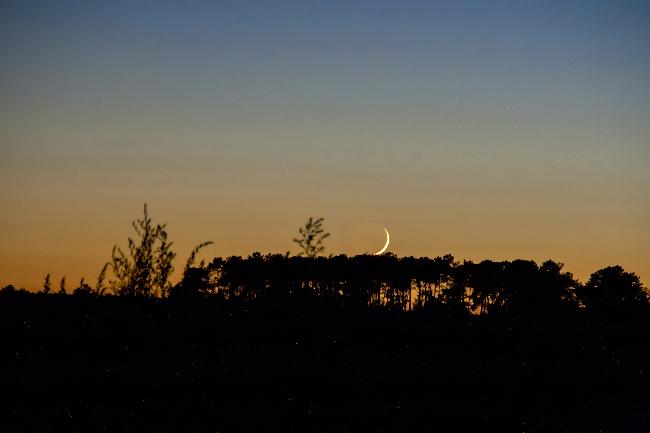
196, 279
148, 266
558, 286
485, 285
466, 337
146, 270
195, 283
9, 289
612, 288
192, 258
99, 287
47, 285
457, 295
311, 238
84, 288
62, 286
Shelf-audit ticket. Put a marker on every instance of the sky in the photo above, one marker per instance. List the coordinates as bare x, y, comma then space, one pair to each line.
488, 130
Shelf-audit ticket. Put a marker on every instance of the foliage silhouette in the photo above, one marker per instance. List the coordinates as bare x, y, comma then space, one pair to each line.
47, 286
311, 238
288, 337
388, 282
62, 286
613, 290
8, 289
364, 337
84, 289
146, 270
191, 259
100, 288
370, 337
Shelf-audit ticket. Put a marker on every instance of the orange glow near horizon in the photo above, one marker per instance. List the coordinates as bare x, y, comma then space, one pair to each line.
78, 248
524, 137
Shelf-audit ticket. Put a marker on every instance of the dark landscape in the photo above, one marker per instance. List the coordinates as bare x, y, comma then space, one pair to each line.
482, 166
364, 343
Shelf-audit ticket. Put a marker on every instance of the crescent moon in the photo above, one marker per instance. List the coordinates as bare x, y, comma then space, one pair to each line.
386, 245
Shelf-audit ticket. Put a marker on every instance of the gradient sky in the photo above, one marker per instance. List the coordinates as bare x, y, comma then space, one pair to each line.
495, 129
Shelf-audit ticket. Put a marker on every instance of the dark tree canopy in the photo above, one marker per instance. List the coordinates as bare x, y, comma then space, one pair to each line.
298, 335
613, 288
520, 286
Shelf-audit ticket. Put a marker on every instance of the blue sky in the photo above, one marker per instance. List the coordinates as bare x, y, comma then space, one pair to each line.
486, 129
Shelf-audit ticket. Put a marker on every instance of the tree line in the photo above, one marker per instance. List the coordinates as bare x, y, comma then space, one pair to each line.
385, 281
409, 283
308, 334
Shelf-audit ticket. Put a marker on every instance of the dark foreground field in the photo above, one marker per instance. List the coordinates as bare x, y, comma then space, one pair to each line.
90, 363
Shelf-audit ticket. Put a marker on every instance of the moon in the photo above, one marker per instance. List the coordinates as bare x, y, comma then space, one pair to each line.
386, 245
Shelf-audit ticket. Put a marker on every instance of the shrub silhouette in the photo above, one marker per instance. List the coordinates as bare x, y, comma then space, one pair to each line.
47, 286
62, 286
146, 270
311, 238
84, 289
